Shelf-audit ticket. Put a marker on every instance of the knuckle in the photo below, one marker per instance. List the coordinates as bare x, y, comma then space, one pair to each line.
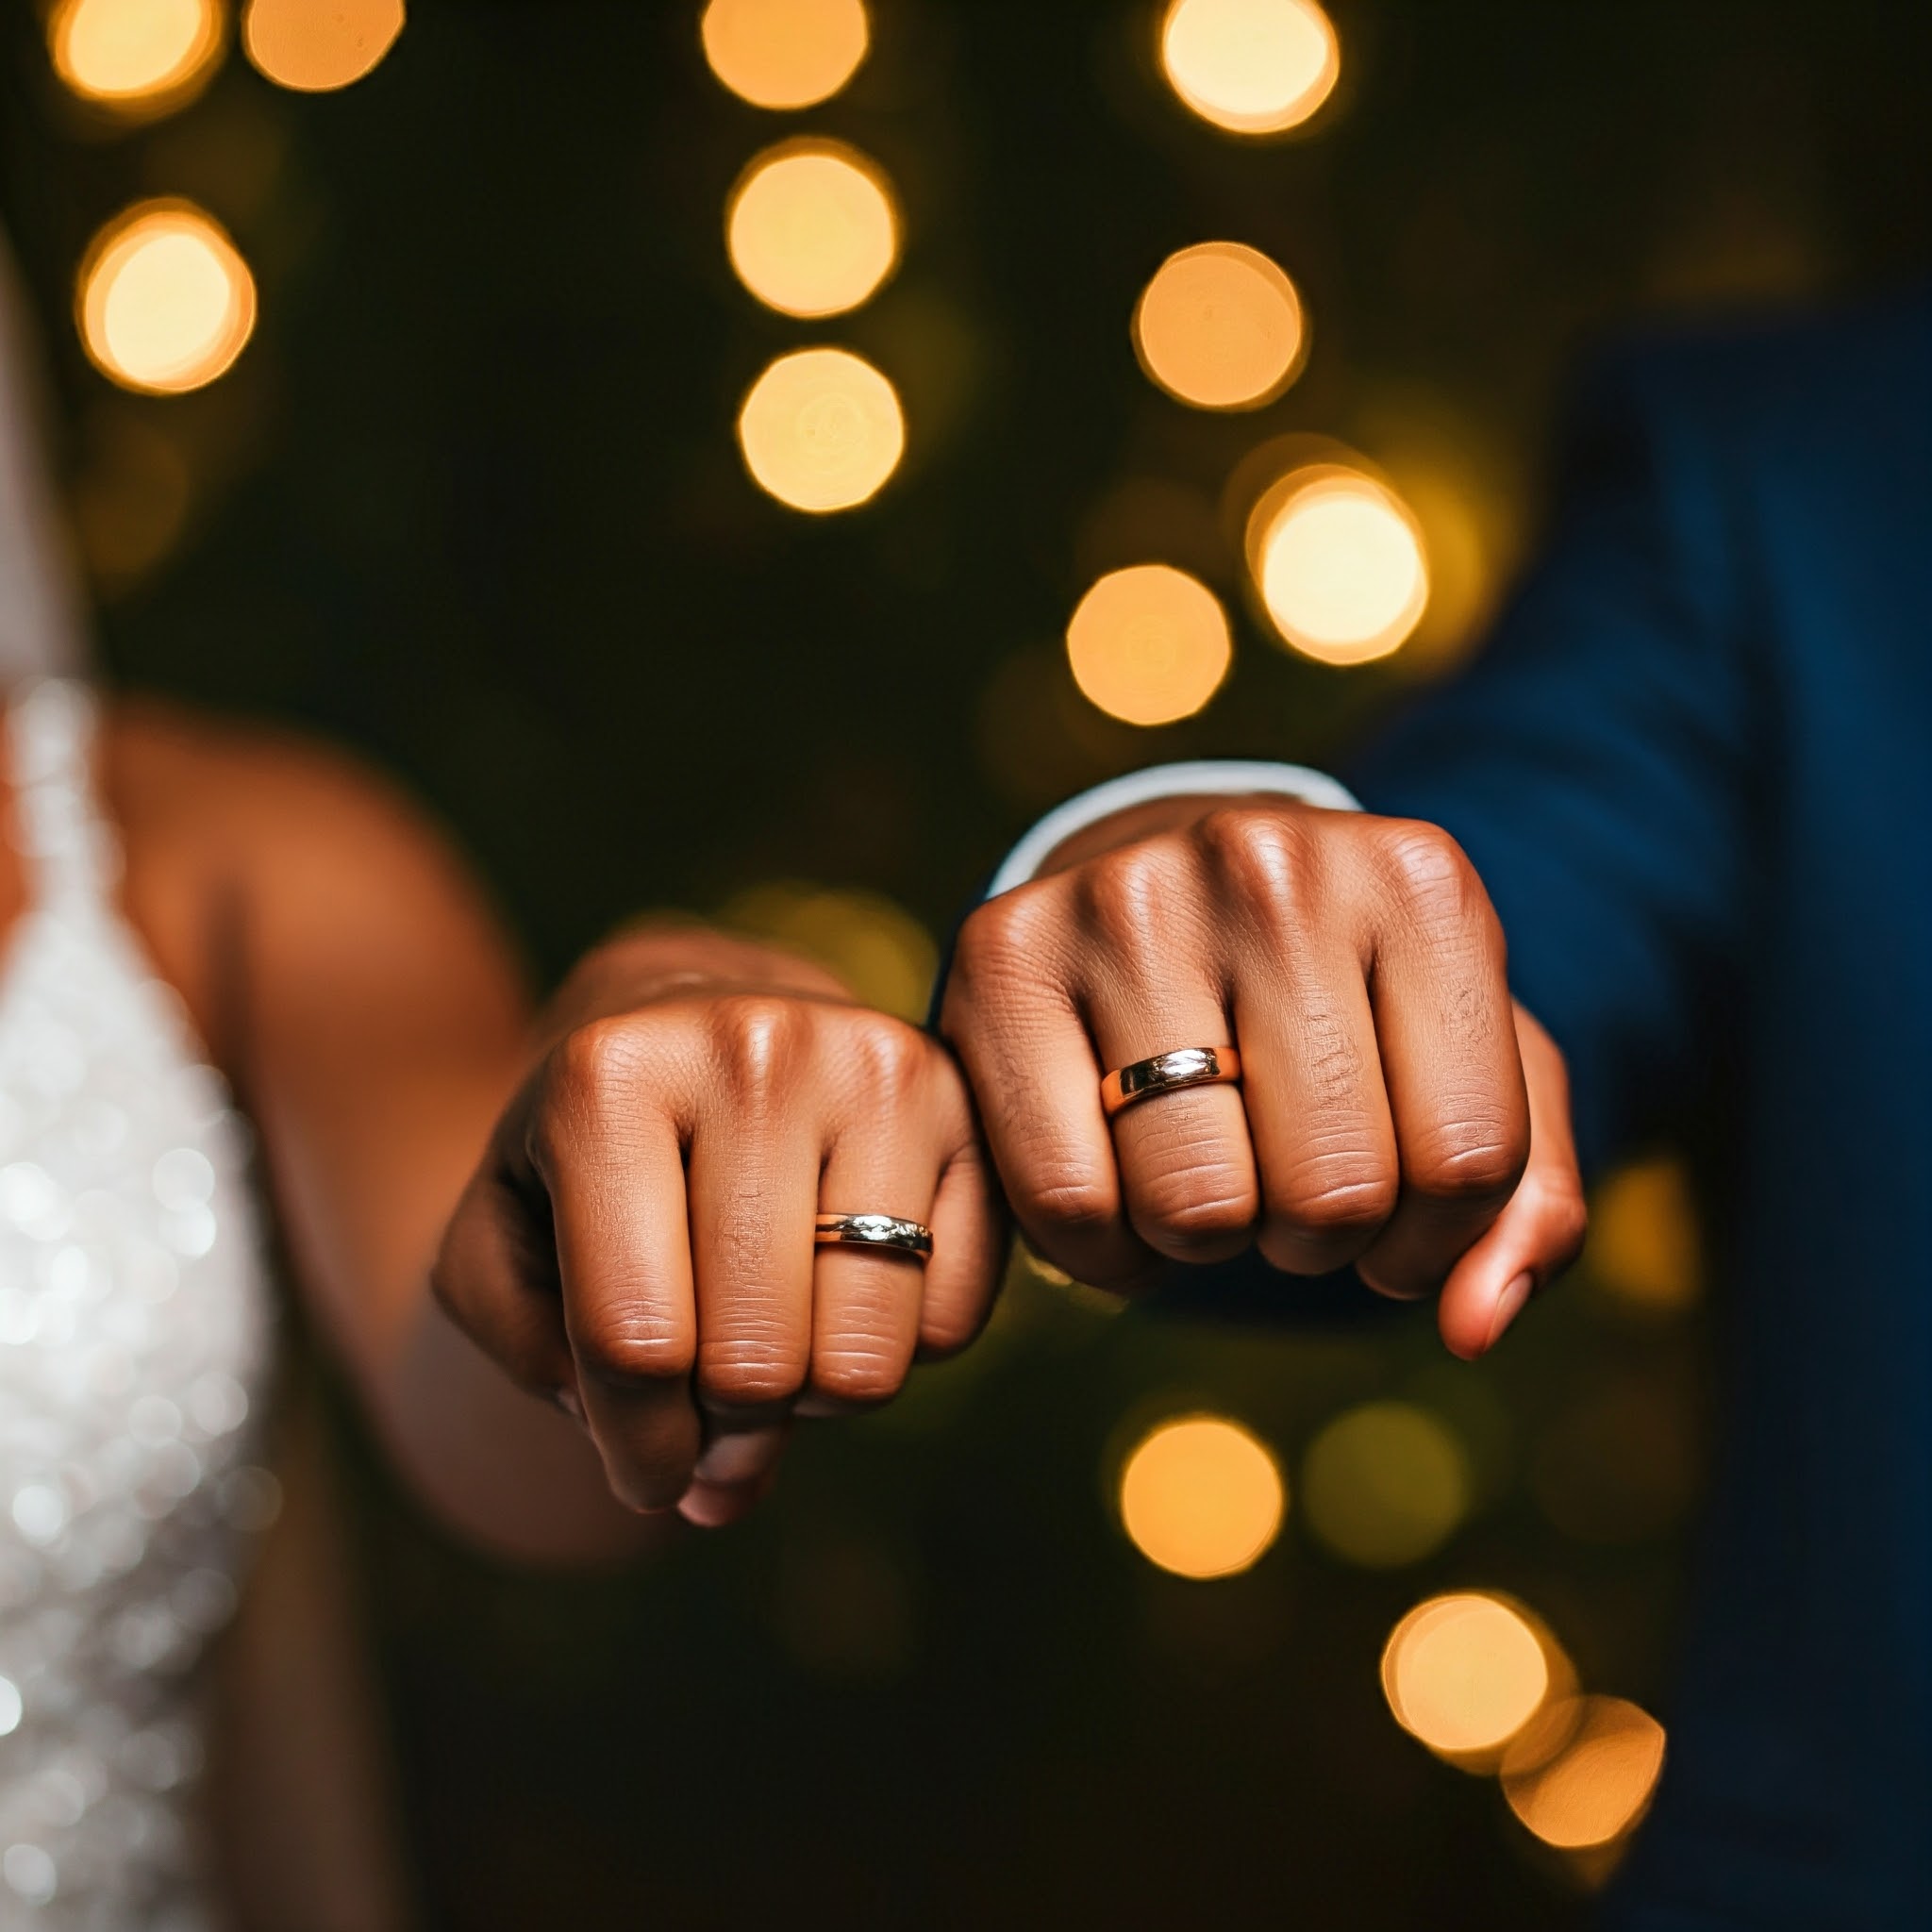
1470, 1161
598, 1064
1431, 875
891, 1057
749, 1371
1340, 1196
1123, 893
1000, 936
1564, 1218
629, 1344
757, 1037
1266, 858
1072, 1203
1201, 1204
944, 1332
857, 1372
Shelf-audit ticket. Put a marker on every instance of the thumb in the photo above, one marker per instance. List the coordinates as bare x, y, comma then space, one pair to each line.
1540, 1232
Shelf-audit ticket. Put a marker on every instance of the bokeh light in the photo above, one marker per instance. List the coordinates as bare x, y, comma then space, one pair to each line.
136, 55
811, 229
1219, 327
822, 430
1465, 1673
784, 53
313, 47
131, 498
1149, 644
878, 949
1202, 1497
1250, 66
1338, 561
1645, 1246
1583, 1774
1385, 1484
165, 303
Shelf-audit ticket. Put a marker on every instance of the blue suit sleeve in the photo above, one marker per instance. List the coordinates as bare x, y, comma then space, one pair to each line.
1595, 761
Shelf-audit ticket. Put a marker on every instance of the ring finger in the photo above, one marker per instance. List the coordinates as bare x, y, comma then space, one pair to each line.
866, 1300
1187, 1164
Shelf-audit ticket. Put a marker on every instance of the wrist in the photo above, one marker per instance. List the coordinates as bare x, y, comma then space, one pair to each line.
669, 960
1198, 778
1149, 820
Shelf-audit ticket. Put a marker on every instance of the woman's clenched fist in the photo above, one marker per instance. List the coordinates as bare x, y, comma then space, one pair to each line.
638, 1244
1397, 1110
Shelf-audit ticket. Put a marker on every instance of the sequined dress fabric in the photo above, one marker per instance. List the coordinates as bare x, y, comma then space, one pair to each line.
135, 1333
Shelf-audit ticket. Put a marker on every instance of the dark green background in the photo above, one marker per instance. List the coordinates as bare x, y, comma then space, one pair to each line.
470, 502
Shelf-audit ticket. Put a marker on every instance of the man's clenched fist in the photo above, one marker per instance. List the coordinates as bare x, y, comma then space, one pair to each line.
1396, 1108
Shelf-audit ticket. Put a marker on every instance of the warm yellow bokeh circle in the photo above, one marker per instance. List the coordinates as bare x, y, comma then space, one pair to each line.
1202, 1497
315, 46
785, 53
811, 229
1385, 1484
1149, 643
1253, 67
1584, 1773
1465, 1672
164, 301
1339, 561
123, 53
1219, 327
822, 430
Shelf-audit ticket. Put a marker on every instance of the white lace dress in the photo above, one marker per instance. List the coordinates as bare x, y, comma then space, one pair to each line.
135, 1319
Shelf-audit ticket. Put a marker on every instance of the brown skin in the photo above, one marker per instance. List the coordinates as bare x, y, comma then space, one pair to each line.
634, 1243
1397, 1110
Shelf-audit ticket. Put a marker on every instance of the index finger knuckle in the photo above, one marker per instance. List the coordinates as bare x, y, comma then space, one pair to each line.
625, 1340
1472, 1159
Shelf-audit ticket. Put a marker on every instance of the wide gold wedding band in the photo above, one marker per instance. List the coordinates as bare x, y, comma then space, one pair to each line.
1168, 1072
885, 1231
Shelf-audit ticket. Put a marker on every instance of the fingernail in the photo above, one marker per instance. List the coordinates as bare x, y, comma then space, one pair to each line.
572, 1405
707, 1507
736, 1457
1507, 1305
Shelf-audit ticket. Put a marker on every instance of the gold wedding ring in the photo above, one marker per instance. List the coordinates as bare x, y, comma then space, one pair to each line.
1168, 1072
874, 1231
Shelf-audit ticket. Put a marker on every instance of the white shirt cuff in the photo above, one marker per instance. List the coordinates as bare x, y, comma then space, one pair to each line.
1218, 777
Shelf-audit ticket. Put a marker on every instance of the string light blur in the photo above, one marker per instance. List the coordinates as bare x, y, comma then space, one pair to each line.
1202, 1497
785, 53
164, 301
811, 229
315, 49
1219, 327
137, 56
1253, 67
1644, 1238
1583, 1775
1338, 562
877, 948
1149, 643
130, 500
822, 430
1464, 1673
1385, 1484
